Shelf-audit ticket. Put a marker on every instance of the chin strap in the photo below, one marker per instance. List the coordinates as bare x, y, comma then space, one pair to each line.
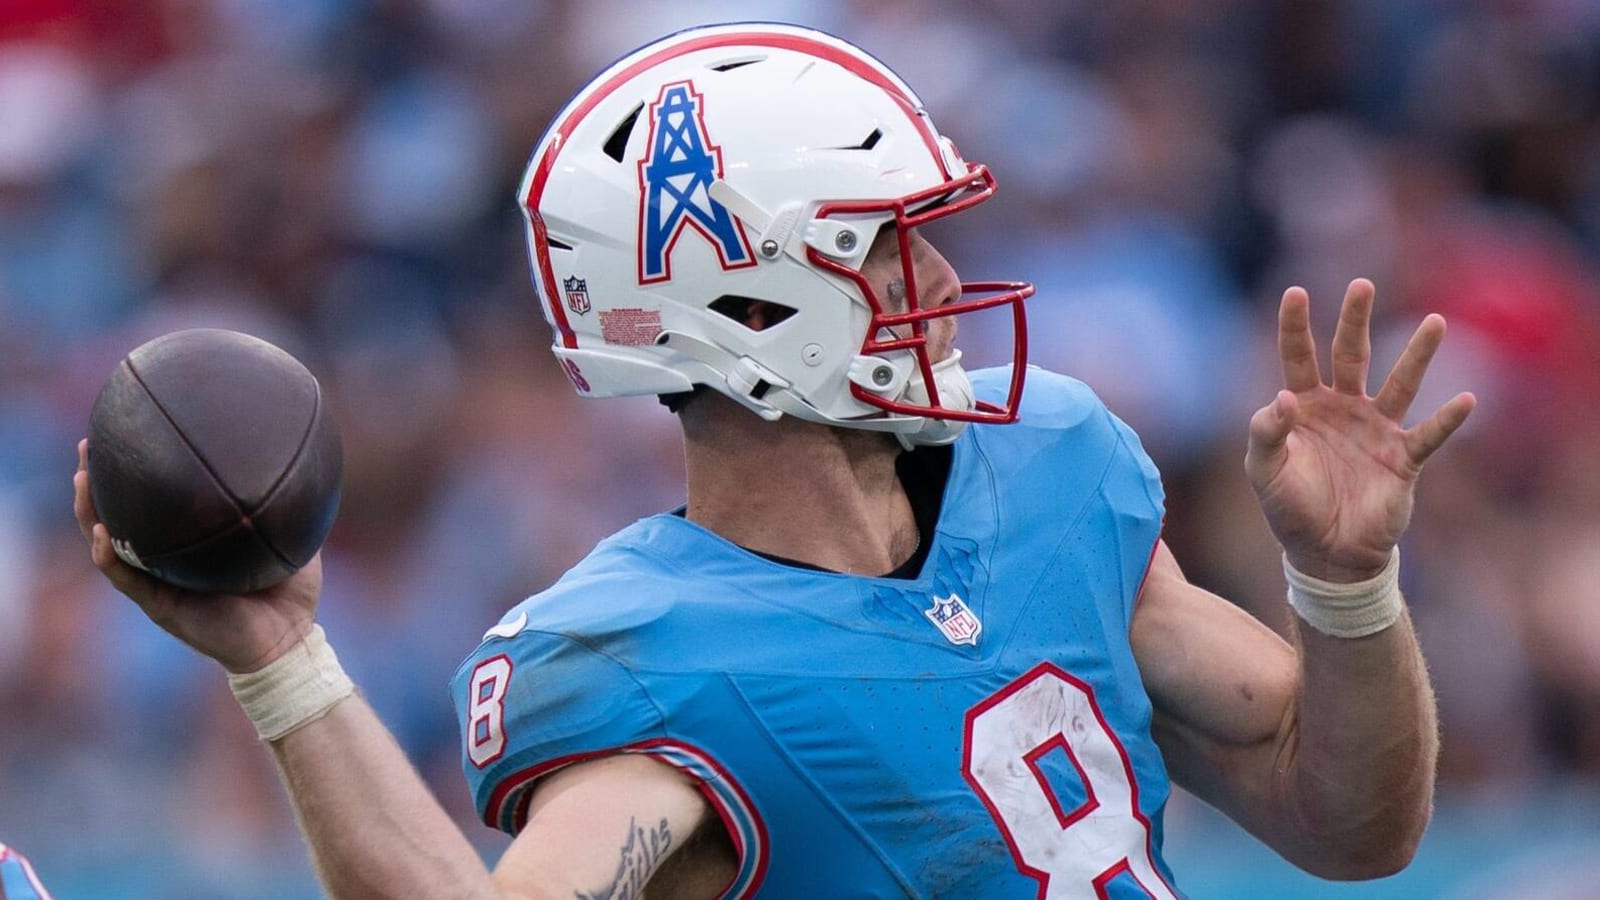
741, 375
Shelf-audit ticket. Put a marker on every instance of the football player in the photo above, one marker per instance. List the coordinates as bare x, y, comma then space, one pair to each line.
18, 881
915, 633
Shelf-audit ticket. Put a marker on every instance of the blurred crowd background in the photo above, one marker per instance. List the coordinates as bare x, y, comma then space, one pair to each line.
337, 176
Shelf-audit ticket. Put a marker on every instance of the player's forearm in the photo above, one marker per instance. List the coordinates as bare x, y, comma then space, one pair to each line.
1357, 764
374, 828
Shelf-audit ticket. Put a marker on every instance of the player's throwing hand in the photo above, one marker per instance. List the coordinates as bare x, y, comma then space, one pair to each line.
1332, 466
242, 633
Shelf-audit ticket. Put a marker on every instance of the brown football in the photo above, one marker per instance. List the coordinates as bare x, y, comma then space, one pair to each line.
214, 462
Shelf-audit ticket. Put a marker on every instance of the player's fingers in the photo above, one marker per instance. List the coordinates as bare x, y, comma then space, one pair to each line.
83, 454
1352, 340
125, 578
101, 551
82, 502
1270, 426
1405, 379
1431, 434
1296, 348
1269, 437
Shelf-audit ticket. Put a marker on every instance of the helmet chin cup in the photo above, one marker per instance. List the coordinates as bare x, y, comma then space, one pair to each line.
897, 378
955, 392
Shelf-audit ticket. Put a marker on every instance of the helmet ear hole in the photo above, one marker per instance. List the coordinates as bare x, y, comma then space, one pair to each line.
754, 314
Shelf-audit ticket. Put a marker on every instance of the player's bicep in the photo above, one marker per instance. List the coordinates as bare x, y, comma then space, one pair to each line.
1222, 684
609, 827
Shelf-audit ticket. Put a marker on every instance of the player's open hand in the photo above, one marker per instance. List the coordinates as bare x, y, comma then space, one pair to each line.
242, 633
1333, 467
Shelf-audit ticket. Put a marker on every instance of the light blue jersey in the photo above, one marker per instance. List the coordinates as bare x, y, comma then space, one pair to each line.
979, 731
18, 881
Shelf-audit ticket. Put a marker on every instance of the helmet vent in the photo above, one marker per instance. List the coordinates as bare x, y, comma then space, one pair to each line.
617, 143
732, 64
557, 245
745, 310
868, 142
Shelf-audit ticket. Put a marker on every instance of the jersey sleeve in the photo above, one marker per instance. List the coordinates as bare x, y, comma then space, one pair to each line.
18, 881
1138, 503
1065, 429
1077, 425
1144, 475
530, 704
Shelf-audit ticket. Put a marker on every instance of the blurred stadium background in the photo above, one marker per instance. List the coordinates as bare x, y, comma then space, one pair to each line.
336, 176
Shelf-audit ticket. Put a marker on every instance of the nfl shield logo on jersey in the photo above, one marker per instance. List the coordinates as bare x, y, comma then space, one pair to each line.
577, 290
955, 620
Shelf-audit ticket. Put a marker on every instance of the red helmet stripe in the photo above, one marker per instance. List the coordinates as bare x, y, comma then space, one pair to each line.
800, 43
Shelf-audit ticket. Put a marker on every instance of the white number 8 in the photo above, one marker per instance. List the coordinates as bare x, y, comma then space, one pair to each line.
1072, 853
486, 710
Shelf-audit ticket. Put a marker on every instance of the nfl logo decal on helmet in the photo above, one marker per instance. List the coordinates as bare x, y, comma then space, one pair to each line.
577, 290
955, 620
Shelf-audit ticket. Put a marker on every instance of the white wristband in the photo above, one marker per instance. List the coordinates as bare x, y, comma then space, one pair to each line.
295, 689
1347, 610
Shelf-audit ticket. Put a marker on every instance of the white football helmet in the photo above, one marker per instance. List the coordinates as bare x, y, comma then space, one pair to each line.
744, 162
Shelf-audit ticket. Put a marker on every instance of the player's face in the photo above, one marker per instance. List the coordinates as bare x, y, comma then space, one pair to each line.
936, 285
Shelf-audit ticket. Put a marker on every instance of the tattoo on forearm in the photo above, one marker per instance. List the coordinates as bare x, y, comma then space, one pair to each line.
641, 853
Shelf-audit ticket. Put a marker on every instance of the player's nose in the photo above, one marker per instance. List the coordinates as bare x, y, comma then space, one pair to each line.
939, 279
941, 285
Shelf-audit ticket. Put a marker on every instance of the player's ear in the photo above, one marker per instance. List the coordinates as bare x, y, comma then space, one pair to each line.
756, 315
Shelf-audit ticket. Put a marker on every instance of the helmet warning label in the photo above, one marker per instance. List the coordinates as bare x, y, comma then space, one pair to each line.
630, 327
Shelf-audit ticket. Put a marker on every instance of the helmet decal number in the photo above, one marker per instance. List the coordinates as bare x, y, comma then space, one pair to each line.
675, 180
575, 375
